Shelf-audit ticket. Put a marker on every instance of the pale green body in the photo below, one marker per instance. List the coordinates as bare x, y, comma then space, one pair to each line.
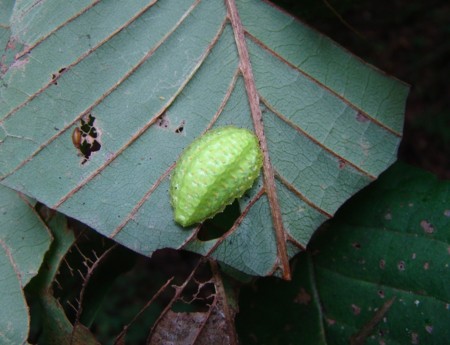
213, 171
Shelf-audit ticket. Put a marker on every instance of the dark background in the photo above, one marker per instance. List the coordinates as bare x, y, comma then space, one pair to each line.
409, 40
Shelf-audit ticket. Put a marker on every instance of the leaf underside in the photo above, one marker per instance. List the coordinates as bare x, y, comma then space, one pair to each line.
24, 239
155, 76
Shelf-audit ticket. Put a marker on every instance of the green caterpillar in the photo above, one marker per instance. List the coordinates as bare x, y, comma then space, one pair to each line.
215, 169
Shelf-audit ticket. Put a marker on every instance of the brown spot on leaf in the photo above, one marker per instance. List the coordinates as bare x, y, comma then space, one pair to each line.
355, 309
427, 227
356, 245
342, 164
414, 338
382, 264
11, 45
401, 265
426, 266
163, 121
330, 321
302, 297
360, 117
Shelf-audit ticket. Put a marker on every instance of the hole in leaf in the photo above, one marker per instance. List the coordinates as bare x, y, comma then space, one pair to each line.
89, 120
198, 294
85, 128
54, 81
180, 128
93, 132
220, 224
95, 146
55, 76
87, 137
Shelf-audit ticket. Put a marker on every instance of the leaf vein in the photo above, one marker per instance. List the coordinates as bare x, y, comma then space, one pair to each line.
346, 101
315, 141
76, 62
300, 195
146, 126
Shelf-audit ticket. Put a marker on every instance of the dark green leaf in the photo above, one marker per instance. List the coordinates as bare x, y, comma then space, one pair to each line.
377, 273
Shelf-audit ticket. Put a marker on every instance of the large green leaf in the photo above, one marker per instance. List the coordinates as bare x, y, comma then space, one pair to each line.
156, 75
378, 273
24, 239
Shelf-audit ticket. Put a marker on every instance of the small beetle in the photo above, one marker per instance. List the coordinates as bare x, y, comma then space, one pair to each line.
213, 171
76, 137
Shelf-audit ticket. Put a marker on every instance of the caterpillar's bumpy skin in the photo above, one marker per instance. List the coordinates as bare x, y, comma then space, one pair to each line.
213, 171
